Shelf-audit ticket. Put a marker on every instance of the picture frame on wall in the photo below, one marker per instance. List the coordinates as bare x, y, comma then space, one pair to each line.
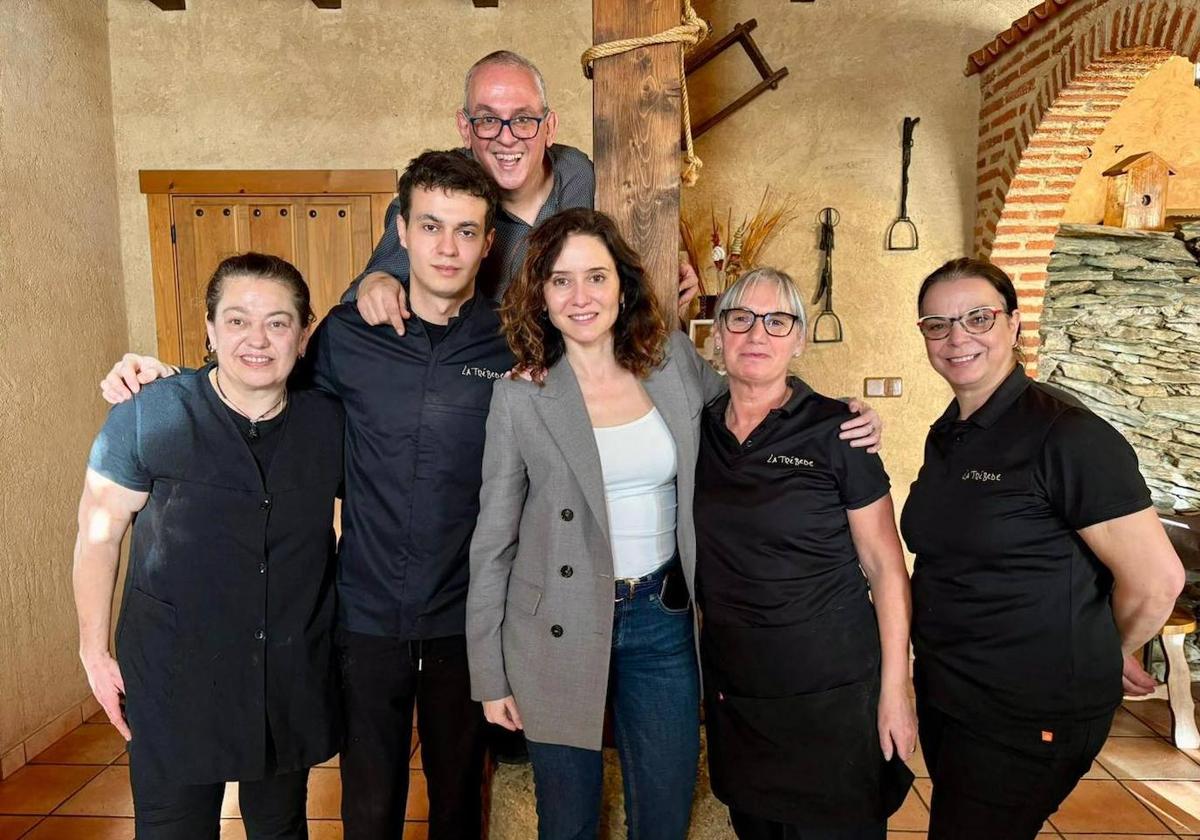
702, 333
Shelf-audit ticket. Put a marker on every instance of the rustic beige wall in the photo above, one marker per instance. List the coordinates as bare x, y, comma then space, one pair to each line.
1160, 115
830, 135
60, 295
280, 84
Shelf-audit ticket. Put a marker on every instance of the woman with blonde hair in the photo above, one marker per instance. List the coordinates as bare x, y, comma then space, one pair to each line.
802, 585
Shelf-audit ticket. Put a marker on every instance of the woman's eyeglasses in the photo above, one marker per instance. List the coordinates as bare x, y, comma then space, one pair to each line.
976, 322
778, 324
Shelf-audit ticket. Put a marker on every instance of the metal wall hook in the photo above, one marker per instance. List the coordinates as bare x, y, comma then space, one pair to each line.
829, 218
902, 233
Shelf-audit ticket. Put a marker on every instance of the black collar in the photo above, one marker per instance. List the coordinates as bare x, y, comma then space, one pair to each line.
800, 394
464, 311
1002, 398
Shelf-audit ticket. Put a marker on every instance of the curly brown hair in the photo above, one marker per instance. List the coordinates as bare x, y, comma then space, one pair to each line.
640, 332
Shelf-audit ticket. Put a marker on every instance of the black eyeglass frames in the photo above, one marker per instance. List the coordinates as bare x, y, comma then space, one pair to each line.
778, 324
523, 127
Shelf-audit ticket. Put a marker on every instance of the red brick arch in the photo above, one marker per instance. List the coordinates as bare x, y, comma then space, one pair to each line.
1049, 87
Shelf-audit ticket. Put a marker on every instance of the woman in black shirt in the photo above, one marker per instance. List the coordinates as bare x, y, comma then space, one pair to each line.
223, 669
805, 679
1040, 569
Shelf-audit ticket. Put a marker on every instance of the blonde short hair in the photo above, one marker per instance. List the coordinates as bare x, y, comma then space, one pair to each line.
789, 296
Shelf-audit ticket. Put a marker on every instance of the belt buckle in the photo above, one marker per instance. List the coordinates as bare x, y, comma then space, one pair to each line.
632, 584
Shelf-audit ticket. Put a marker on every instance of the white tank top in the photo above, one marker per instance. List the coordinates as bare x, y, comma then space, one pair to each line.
638, 462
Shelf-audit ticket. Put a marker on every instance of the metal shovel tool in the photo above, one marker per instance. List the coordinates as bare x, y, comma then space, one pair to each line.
902, 233
827, 327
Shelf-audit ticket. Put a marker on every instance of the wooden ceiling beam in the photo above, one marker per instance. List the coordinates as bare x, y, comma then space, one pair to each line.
181, 5
486, 4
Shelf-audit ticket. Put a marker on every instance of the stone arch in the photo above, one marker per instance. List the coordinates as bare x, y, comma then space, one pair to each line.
1044, 101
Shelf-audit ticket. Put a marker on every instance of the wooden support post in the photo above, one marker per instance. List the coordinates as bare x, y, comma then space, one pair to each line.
635, 136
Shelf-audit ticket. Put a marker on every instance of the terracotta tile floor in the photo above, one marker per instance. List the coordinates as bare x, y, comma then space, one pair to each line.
78, 789
1140, 787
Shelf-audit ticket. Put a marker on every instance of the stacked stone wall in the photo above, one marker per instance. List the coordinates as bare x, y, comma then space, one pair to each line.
1120, 330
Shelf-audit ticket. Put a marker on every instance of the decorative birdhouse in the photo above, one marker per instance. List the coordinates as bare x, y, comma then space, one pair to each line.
1137, 192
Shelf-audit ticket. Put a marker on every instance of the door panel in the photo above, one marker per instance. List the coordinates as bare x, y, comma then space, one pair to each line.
272, 227
337, 244
206, 232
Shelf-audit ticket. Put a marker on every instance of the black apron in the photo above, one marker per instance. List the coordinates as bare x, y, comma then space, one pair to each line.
224, 638
791, 720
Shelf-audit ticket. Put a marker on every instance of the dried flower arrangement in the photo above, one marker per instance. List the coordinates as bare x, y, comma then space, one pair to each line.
734, 250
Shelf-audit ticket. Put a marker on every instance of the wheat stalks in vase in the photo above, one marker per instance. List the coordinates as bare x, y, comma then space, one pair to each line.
772, 216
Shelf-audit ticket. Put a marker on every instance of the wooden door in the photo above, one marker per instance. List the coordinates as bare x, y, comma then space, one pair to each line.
323, 222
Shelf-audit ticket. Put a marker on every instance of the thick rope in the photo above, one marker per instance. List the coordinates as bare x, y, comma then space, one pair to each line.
690, 32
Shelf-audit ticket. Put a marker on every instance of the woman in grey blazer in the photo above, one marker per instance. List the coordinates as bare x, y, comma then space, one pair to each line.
583, 557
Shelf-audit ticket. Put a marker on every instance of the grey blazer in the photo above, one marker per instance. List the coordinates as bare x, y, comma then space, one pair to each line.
540, 604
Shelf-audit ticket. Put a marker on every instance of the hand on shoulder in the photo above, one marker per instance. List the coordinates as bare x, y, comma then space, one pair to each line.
129, 375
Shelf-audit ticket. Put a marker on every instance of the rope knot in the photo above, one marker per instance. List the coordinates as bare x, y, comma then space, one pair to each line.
690, 32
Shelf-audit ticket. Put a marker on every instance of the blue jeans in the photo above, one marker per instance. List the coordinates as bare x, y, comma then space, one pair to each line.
654, 691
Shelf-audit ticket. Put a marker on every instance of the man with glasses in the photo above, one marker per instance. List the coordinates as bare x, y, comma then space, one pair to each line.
508, 126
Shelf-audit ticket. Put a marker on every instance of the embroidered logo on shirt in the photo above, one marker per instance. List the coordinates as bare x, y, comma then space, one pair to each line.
790, 460
482, 373
980, 475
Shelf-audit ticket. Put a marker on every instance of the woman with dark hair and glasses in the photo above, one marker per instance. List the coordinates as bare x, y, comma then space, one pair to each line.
1040, 569
801, 582
224, 660
583, 556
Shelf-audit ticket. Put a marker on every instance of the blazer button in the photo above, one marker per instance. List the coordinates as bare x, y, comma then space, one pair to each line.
556, 631
567, 514
566, 571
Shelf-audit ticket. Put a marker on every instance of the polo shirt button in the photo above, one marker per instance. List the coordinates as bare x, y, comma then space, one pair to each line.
260, 635
556, 631
266, 505
566, 571
567, 514
262, 568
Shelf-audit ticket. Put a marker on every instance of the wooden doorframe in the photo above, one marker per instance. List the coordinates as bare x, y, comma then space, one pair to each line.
159, 185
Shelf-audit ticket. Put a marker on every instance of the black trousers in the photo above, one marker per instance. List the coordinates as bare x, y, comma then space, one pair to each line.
1001, 783
382, 680
749, 827
272, 808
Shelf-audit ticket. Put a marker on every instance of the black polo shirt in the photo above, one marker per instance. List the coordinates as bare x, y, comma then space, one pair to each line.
773, 539
416, 409
1012, 620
